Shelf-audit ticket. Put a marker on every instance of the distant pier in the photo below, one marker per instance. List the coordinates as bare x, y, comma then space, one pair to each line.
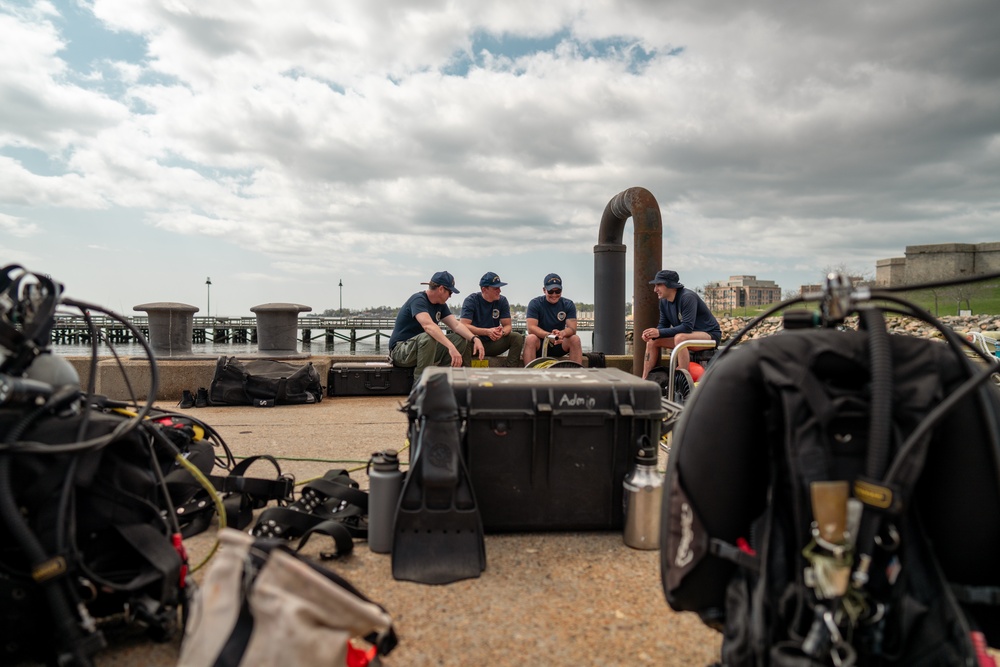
73, 329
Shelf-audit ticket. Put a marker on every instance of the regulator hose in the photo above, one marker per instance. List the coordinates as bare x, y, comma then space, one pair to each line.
880, 359
68, 632
55, 587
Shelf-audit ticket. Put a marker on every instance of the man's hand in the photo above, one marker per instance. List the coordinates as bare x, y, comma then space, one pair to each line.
477, 348
496, 333
651, 334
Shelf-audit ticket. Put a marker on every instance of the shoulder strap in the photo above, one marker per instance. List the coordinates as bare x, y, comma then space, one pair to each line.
337, 531
242, 494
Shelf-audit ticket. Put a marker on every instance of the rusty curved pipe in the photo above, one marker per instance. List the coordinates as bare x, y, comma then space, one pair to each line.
609, 271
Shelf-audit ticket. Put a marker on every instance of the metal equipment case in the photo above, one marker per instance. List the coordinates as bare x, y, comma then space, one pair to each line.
372, 378
548, 449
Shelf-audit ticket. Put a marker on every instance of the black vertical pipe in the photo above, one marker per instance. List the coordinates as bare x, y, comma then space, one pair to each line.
609, 272
609, 279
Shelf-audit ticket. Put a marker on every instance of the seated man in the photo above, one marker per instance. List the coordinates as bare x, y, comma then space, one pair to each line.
487, 315
554, 317
417, 339
683, 316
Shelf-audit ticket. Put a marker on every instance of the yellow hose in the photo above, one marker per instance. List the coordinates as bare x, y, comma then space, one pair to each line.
216, 498
205, 484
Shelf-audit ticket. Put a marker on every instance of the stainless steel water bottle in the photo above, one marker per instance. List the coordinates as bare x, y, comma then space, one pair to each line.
643, 498
385, 482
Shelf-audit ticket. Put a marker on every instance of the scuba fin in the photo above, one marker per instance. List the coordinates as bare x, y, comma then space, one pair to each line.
438, 535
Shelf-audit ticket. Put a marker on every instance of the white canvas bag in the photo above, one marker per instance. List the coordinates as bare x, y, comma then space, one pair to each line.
262, 605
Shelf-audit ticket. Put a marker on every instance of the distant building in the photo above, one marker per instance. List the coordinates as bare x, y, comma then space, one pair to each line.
812, 289
890, 272
940, 261
740, 292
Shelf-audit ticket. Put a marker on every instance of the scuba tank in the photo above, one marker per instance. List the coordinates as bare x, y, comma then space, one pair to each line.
385, 484
642, 499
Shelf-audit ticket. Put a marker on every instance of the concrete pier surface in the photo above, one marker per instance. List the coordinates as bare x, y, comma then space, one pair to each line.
575, 598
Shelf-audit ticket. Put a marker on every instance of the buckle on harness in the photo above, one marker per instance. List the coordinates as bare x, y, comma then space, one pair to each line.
825, 637
829, 571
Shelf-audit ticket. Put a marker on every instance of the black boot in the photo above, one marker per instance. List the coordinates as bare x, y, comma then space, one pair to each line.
202, 398
187, 400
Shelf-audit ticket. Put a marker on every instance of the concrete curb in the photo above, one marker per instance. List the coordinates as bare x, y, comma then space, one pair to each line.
130, 378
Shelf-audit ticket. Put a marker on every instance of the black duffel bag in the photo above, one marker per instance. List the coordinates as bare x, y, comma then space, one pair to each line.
264, 382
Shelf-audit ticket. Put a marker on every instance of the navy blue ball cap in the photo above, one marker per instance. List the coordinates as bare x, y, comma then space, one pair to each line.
668, 278
444, 279
491, 279
552, 280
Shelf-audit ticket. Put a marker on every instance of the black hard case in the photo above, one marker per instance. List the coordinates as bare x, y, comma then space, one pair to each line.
548, 449
368, 379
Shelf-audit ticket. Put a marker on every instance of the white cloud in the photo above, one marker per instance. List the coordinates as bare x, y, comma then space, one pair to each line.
41, 108
16, 227
24, 188
384, 138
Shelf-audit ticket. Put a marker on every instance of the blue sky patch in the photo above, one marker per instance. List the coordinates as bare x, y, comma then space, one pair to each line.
513, 47
34, 160
91, 49
88, 41
297, 73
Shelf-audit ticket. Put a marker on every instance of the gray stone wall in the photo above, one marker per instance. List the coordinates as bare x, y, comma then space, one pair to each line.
988, 258
941, 261
890, 272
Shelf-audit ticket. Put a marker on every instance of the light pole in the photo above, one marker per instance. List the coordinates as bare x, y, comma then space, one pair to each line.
341, 312
208, 288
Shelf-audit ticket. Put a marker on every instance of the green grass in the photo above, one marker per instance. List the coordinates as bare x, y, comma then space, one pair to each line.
981, 299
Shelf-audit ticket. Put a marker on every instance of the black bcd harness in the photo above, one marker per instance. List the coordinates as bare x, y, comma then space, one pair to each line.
864, 460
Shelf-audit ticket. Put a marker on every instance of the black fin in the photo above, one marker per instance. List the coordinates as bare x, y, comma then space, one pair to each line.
438, 535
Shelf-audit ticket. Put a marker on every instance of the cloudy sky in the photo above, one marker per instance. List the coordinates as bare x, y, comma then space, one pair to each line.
282, 147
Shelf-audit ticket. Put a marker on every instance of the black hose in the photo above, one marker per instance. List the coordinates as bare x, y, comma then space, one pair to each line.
60, 597
955, 342
67, 630
732, 342
937, 284
923, 429
154, 373
880, 361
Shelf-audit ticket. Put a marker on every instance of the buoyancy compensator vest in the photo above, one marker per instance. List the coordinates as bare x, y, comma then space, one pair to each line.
846, 509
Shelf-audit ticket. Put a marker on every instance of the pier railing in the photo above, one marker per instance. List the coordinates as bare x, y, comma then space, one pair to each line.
73, 330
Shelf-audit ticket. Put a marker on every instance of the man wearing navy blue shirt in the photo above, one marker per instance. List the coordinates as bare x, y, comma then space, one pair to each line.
683, 316
554, 316
417, 338
487, 314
